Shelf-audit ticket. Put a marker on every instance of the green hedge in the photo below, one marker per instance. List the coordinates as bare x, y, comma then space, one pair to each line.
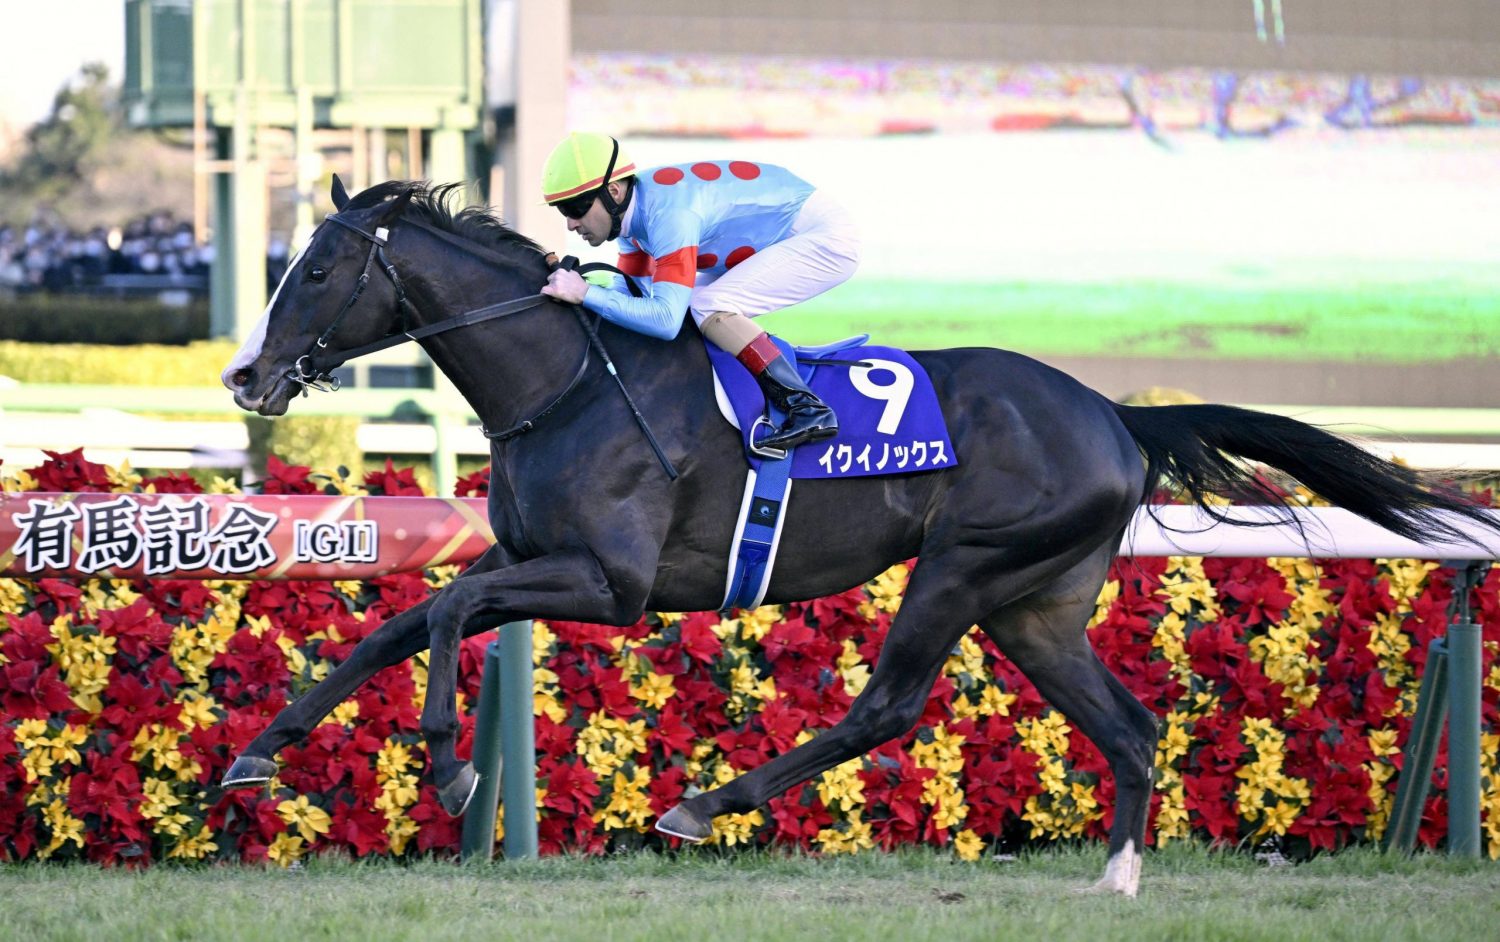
82, 319
316, 441
322, 442
194, 364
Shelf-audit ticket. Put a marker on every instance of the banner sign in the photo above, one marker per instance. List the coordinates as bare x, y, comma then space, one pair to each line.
231, 536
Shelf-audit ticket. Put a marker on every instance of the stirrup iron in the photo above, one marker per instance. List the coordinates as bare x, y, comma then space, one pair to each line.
770, 454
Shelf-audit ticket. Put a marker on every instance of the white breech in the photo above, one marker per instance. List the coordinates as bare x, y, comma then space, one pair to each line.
820, 251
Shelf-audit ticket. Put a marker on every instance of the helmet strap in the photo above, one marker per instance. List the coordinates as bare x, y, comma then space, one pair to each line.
615, 209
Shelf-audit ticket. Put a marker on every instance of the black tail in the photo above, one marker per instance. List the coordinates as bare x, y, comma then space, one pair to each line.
1196, 446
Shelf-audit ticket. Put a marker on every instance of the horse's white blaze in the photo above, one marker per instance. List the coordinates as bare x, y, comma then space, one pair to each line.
1123, 872
251, 348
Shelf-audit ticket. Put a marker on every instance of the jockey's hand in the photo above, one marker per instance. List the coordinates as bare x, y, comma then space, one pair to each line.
566, 285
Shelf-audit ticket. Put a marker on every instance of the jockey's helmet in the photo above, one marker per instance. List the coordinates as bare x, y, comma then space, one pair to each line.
578, 169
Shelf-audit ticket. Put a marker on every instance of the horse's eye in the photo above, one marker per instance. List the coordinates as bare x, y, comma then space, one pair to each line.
317, 273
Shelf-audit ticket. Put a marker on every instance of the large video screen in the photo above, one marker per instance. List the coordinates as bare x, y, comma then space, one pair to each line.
1183, 216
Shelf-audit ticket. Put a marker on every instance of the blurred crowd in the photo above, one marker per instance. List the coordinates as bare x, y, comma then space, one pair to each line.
51, 257
154, 252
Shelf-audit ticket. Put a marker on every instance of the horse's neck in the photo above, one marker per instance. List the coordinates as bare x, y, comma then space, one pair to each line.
676, 371
506, 366
513, 368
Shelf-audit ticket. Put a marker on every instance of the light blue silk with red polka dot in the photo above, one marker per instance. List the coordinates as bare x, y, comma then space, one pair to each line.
690, 224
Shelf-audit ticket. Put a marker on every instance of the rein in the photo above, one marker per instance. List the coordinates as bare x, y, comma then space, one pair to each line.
311, 369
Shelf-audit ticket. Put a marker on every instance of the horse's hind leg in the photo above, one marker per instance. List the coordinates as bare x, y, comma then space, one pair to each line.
942, 602
1043, 634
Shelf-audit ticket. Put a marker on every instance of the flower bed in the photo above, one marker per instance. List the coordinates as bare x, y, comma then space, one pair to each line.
1285, 688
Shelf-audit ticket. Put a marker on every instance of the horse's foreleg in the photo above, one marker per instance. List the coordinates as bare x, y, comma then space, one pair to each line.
391, 643
570, 585
402, 636
1044, 636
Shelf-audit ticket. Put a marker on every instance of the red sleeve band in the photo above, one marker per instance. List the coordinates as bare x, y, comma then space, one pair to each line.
636, 264
679, 267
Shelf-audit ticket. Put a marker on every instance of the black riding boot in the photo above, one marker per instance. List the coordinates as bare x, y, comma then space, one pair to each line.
808, 418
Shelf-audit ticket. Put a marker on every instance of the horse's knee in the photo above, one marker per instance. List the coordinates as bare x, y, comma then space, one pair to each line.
437, 727
449, 609
877, 722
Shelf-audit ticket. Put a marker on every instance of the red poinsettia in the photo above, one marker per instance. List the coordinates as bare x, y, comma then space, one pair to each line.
392, 483
176, 483
137, 713
358, 827
283, 478
473, 485
70, 471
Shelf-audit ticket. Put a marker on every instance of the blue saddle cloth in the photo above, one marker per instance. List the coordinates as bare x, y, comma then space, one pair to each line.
889, 423
889, 418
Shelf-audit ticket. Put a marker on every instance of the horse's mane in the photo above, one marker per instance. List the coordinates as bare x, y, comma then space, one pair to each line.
431, 205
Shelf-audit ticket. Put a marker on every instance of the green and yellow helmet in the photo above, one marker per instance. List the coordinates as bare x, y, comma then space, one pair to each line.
581, 163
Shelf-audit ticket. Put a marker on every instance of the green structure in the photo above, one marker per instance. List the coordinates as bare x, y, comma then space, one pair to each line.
328, 74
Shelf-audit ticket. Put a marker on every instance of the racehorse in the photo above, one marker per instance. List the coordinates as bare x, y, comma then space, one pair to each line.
590, 525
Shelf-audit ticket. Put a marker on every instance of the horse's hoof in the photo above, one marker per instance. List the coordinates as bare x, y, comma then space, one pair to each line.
680, 822
249, 772
1108, 887
1122, 874
456, 795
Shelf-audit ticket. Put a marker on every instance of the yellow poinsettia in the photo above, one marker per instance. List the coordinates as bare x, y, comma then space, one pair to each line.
309, 820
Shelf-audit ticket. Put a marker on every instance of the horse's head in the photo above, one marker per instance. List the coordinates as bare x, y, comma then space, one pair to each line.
334, 296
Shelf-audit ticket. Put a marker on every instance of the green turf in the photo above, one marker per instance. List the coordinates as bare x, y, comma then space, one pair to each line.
1388, 323
1186, 894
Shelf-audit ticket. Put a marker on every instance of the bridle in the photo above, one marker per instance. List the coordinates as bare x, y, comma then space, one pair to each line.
313, 370
302, 371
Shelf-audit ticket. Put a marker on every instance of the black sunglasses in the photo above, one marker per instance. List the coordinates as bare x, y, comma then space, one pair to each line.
576, 207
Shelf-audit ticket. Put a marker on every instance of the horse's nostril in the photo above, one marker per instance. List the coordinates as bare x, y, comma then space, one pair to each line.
240, 377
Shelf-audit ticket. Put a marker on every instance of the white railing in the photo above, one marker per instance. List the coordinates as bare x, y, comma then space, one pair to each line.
1325, 532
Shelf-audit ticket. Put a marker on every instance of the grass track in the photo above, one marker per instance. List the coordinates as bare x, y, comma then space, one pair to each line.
1412, 323
1187, 894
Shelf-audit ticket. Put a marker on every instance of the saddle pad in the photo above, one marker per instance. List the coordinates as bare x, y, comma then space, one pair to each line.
889, 418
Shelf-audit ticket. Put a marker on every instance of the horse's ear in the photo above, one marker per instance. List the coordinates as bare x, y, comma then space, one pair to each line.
394, 208
340, 195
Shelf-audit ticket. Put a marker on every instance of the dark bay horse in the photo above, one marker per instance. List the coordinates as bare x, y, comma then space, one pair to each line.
1016, 539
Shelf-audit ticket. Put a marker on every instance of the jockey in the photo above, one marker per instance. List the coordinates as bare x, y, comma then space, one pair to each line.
726, 240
